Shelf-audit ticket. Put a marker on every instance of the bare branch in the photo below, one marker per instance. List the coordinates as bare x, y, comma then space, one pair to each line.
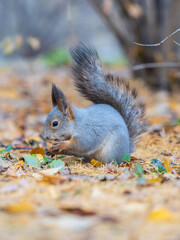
155, 65
176, 43
158, 44
150, 65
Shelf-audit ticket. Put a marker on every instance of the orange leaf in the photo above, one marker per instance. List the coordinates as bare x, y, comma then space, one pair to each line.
37, 150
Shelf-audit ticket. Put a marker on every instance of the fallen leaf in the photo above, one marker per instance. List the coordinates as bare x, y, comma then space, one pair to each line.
20, 207
37, 150
32, 160
18, 164
126, 157
161, 215
40, 158
96, 163
57, 163
167, 165
8, 149
154, 180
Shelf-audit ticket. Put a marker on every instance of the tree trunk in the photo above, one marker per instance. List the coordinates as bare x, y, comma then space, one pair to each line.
143, 21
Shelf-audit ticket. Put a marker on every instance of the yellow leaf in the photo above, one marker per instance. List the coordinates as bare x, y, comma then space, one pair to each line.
167, 165
18, 164
21, 207
154, 180
40, 157
96, 163
161, 215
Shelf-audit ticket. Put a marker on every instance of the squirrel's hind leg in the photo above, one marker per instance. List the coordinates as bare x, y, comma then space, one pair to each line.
113, 148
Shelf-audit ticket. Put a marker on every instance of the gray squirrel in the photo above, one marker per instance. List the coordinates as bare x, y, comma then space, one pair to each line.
104, 131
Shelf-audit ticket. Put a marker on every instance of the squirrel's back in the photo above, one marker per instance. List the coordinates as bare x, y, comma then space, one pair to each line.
105, 89
104, 129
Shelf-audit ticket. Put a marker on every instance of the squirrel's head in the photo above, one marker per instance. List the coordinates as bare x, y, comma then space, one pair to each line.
59, 122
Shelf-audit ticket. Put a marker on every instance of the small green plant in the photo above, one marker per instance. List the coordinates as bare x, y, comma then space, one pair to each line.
57, 57
126, 157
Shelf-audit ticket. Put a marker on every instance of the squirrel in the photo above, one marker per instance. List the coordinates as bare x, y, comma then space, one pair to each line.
104, 131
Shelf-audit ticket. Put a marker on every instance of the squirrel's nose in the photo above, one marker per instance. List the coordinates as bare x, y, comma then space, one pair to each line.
44, 136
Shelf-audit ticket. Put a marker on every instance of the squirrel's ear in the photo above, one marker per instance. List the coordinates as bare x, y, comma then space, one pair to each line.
58, 98
70, 112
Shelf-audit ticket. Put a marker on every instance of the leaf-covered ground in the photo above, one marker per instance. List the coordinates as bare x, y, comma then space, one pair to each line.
64, 198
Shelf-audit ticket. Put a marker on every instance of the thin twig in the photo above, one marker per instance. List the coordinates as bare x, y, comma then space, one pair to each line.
158, 44
150, 65
155, 65
14, 148
176, 43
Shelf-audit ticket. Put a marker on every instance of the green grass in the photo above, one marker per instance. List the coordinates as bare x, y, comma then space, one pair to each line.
56, 58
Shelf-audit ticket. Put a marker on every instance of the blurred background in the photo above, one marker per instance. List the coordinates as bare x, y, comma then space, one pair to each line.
35, 37
30, 29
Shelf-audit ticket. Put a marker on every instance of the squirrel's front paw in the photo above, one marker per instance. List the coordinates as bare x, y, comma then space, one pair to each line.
48, 153
57, 148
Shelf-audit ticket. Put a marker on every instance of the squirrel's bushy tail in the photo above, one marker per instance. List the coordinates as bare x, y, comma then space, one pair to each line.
105, 89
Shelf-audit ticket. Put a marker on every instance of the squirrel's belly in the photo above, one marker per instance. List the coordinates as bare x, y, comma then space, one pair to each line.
103, 154
112, 148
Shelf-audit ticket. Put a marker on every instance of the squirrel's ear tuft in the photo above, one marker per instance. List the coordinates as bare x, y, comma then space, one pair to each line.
58, 98
70, 112
53, 95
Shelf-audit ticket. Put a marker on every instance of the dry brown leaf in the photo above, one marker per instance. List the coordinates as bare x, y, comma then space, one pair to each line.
37, 150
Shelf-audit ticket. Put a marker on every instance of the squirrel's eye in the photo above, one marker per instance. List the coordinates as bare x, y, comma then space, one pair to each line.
55, 123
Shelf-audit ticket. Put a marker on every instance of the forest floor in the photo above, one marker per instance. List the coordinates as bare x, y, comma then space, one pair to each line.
135, 201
